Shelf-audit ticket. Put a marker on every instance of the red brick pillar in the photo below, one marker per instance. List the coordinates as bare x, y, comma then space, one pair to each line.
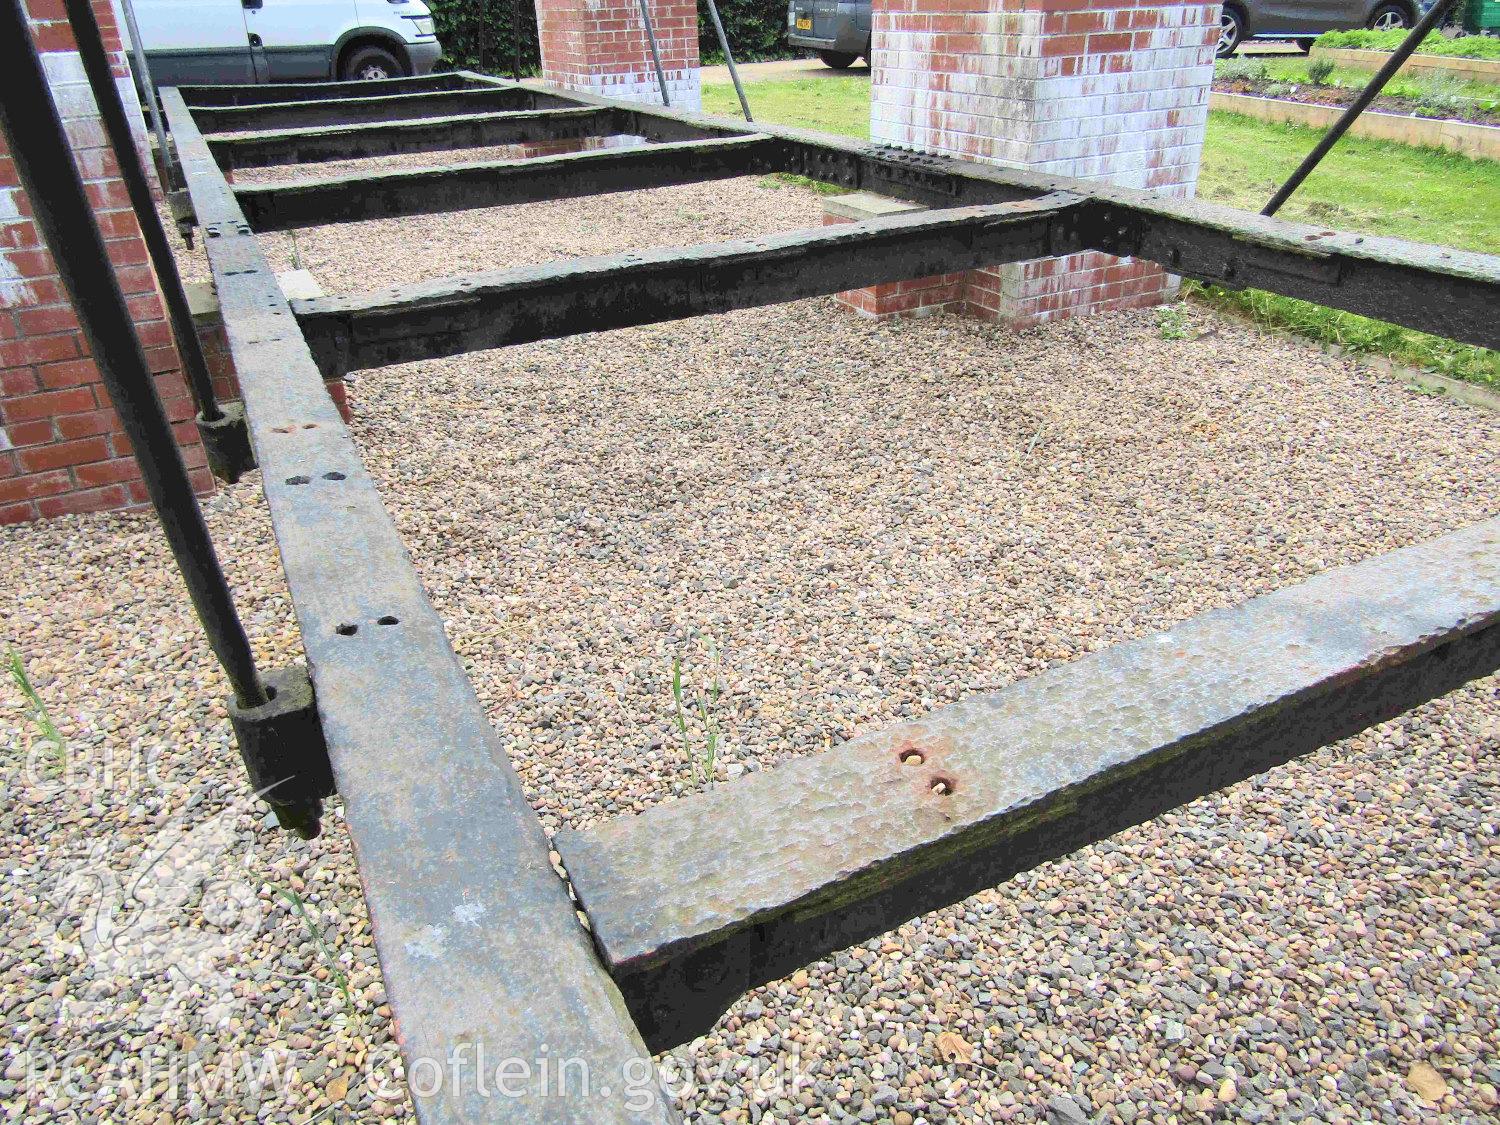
61, 446
600, 47
1114, 92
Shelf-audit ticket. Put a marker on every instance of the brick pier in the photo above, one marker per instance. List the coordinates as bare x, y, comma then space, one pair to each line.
1103, 90
600, 47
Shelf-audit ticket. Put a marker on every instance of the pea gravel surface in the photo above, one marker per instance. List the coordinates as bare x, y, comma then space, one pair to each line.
838, 523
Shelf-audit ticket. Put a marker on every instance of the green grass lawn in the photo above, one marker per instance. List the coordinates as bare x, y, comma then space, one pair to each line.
833, 104
1365, 186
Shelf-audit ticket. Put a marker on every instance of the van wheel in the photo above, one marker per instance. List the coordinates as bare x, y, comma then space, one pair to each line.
837, 59
364, 64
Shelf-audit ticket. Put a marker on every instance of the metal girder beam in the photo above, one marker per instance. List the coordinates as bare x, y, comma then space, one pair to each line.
208, 95
479, 942
490, 310
350, 111
426, 134
457, 187
1401, 282
1434, 289
697, 900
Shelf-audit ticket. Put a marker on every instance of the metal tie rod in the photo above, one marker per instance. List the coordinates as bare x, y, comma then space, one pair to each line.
67, 222
117, 129
734, 73
661, 77
153, 101
1359, 105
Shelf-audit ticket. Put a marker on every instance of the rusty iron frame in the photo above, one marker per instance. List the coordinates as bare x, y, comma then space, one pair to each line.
487, 957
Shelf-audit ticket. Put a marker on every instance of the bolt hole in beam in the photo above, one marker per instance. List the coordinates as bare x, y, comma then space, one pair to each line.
298, 480
346, 629
388, 619
912, 757
943, 786
333, 476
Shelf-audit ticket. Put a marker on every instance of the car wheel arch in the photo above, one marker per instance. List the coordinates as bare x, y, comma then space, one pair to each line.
1244, 14
357, 37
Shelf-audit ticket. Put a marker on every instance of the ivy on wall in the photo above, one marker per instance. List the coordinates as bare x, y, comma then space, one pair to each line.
483, 34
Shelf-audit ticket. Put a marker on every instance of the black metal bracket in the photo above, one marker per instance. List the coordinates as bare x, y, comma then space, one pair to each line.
285, 754
226, 441
180, 204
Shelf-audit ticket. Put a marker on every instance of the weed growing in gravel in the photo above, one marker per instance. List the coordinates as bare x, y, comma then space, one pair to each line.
791, 179
336, 971
702, 764
38, 709
296, 250
1171, 322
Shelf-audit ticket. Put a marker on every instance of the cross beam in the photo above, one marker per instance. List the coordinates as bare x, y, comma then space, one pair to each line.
391, 138
348, 110
457, 187
696, 901
201, 96
641, 287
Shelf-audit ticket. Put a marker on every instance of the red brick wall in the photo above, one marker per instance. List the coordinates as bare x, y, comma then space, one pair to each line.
61, 446
600, 47
1108, 90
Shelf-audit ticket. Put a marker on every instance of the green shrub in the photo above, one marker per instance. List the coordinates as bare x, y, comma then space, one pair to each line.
1442, 96
1242, 69
1469, 47
1319, 71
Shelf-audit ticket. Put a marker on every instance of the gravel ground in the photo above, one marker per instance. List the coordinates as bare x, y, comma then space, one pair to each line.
847, 523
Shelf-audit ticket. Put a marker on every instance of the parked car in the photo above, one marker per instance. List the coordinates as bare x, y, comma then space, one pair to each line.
191, 42
1302, 21
838, 30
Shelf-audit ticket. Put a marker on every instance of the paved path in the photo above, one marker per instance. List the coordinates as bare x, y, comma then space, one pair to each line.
779, 70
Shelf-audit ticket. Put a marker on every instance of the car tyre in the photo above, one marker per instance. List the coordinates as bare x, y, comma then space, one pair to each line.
839, 60
1231, 32
368, 63
1390, 17
1304, 45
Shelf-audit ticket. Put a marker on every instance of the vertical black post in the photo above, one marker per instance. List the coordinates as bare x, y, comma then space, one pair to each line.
482, 7
515, 39
1399, 56
117, 129
47, 172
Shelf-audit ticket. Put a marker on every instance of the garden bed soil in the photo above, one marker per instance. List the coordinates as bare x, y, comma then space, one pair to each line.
1340, 96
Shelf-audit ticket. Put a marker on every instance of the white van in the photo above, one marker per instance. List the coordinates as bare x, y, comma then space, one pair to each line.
193, 42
